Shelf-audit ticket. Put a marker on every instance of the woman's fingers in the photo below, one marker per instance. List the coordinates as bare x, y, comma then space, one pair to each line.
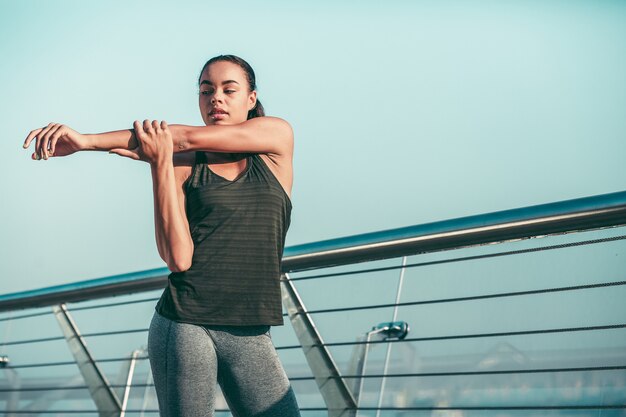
127, 153
152, 137
140, 134
147, 126
54, 138
31, 136
56, 135
38, 153
45, 139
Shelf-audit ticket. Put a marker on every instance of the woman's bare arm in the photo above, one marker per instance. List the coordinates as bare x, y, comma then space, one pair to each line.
270, 135
170, 220
124, 139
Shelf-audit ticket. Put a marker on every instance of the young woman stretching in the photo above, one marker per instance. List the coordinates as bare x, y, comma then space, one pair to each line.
222, 209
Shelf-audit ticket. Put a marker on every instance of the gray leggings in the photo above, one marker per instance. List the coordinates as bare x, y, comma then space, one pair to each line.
187, 361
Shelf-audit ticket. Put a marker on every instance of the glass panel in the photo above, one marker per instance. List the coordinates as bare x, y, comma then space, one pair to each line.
433, 285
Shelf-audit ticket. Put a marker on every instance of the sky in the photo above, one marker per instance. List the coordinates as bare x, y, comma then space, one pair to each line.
403, 112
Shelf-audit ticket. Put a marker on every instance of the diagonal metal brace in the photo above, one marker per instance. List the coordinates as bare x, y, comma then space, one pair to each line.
107, 402
336, 394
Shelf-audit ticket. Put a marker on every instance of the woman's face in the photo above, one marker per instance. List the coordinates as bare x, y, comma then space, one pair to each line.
224, 96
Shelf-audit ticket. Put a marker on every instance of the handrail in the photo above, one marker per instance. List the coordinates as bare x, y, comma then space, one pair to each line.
601, 211
560, 217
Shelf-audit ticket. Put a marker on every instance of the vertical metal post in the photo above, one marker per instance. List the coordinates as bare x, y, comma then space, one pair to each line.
107, 402
388, 354
336, 394
364, 363
129, 381
13, 402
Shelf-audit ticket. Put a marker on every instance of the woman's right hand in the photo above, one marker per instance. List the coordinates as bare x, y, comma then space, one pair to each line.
55, 140
154, 141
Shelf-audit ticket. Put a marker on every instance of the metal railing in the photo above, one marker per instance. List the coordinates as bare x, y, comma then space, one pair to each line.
486, 368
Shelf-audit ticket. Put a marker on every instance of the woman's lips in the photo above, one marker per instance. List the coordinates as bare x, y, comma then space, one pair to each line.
218, 116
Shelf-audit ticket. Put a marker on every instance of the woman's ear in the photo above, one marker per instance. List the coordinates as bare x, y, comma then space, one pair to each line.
252, 100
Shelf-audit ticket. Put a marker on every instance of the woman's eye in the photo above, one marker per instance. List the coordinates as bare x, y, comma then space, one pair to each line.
230, 91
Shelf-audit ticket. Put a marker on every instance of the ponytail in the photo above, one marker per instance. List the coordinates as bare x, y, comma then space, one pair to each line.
257, 111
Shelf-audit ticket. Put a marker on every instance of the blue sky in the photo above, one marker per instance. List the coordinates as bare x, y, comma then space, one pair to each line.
403, 112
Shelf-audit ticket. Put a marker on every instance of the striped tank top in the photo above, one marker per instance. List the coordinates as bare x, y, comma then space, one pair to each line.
238, 229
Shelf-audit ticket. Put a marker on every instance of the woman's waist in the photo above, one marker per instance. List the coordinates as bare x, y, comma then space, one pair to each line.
243, 287
209, 273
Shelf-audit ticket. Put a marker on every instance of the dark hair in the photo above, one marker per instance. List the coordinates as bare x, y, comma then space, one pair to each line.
257, 110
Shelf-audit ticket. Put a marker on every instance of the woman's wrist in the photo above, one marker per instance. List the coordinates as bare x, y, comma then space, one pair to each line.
88, 142
163, 164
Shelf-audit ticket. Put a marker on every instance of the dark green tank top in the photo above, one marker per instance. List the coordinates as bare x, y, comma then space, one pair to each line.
238, 229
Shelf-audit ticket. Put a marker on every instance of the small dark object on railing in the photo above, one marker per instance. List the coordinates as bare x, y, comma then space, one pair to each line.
393, 330
4, 361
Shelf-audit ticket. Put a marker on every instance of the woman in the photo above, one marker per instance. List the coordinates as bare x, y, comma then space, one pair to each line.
222, 209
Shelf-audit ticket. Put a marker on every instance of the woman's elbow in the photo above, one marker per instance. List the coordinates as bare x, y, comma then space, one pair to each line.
180, 262
179, 265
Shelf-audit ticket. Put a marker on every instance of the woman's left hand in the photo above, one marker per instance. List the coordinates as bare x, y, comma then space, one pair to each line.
155, 143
